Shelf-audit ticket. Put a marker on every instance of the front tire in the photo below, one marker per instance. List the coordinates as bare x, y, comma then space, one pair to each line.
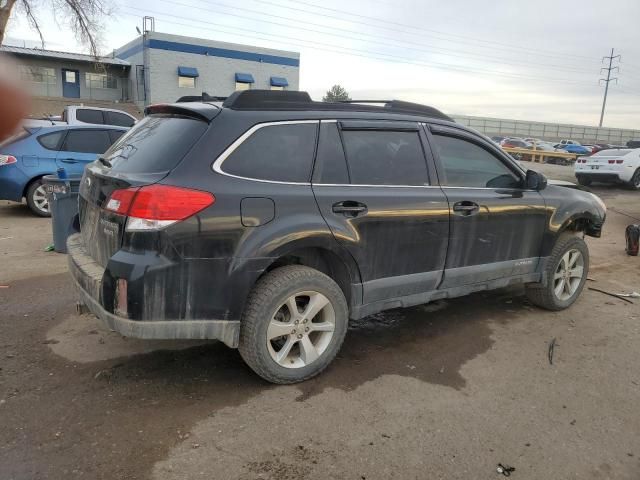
293, 325
566, 273
37, 199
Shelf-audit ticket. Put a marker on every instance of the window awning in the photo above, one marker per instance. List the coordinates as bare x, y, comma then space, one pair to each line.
279, 82
244, 78
188, 72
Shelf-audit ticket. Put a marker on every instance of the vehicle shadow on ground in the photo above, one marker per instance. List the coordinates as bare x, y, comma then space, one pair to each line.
430, 343
15, 210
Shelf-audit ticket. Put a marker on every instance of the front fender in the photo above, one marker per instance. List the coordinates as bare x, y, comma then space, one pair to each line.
570, 208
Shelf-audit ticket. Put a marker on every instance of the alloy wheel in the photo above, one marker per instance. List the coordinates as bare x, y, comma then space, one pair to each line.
301, 329
40, 199
568, 275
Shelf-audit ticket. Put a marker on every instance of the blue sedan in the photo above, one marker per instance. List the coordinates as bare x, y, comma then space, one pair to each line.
574, 148
38, 151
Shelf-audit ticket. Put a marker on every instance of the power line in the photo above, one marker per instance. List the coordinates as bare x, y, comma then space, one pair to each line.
386, 39
533, 51
351, 51
607, 80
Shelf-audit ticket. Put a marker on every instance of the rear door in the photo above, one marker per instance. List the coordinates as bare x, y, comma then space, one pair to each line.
496, 224
373, 188
80, 147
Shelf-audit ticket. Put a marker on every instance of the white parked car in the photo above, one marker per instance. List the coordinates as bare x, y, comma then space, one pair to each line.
622, 165
80, 115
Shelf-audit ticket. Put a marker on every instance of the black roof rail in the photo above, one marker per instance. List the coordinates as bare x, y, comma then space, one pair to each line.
265, 99
293, 100
205, 97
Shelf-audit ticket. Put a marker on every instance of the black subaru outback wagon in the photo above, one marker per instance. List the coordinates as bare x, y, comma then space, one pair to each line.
269, 221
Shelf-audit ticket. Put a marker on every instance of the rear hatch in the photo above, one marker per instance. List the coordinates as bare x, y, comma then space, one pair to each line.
143, 156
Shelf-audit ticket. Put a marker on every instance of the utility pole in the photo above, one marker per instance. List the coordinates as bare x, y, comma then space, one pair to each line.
606, 81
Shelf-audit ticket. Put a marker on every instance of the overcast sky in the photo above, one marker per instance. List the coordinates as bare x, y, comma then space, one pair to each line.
531, 60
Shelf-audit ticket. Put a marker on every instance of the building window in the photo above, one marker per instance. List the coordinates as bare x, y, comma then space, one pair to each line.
101, 80
244, 81
186, 82
278, 83
38, 74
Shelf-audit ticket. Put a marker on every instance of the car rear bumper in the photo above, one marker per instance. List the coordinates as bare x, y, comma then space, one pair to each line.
606, 173
12, 183
88, 277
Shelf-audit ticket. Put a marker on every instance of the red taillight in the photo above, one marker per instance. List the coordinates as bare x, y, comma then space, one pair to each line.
611, 161
159, 202
7, 160
619, 161
120, 200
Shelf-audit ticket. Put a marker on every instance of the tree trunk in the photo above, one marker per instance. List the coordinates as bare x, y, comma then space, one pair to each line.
5, 14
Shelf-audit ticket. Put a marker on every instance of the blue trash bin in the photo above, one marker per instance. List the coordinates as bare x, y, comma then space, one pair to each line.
62, 194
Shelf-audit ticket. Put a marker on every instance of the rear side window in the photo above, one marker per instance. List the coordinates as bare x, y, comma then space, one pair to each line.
87, 141
331, 166
51, 141
118, 119
88, 115
282, 153
385, 158
156, 143
469, 165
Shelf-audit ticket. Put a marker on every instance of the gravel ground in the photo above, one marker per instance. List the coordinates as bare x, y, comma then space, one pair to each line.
447, 390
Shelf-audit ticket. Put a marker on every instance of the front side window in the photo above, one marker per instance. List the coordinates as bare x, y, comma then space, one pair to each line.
282, 153
100, 80
87, 141
385, 157
469, 165
38, 74
89, 115
186, 82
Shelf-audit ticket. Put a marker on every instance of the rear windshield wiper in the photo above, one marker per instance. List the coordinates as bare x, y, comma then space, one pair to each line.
105, 162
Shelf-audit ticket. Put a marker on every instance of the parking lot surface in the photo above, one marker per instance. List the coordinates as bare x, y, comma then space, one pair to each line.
445, 390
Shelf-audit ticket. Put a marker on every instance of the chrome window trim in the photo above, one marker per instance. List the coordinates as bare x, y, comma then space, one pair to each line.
365, 185
217, 164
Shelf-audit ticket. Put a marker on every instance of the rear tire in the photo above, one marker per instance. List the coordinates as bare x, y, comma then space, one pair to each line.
37, 199
293, 325
566, 273
634, 183
584, 181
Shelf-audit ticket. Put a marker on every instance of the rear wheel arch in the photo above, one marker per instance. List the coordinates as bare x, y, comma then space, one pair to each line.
324, 260
30, 182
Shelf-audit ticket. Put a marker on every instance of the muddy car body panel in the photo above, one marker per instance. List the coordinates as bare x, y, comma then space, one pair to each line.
385, 245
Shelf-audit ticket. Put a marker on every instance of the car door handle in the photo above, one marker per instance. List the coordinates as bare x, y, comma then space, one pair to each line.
466, 208
68, 160
349, 208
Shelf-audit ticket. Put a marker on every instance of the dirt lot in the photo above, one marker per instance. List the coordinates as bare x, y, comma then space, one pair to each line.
447, 390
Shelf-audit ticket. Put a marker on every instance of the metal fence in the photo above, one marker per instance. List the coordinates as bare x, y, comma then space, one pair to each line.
548, 131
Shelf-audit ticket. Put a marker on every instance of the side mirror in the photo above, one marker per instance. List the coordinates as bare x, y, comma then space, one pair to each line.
535, 181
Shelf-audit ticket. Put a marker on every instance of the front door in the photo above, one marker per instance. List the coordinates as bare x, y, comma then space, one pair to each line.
70, 83
496, 224
380, 205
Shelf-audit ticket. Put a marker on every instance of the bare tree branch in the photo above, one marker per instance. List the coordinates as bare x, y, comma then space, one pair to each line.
31, 18
83, 17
